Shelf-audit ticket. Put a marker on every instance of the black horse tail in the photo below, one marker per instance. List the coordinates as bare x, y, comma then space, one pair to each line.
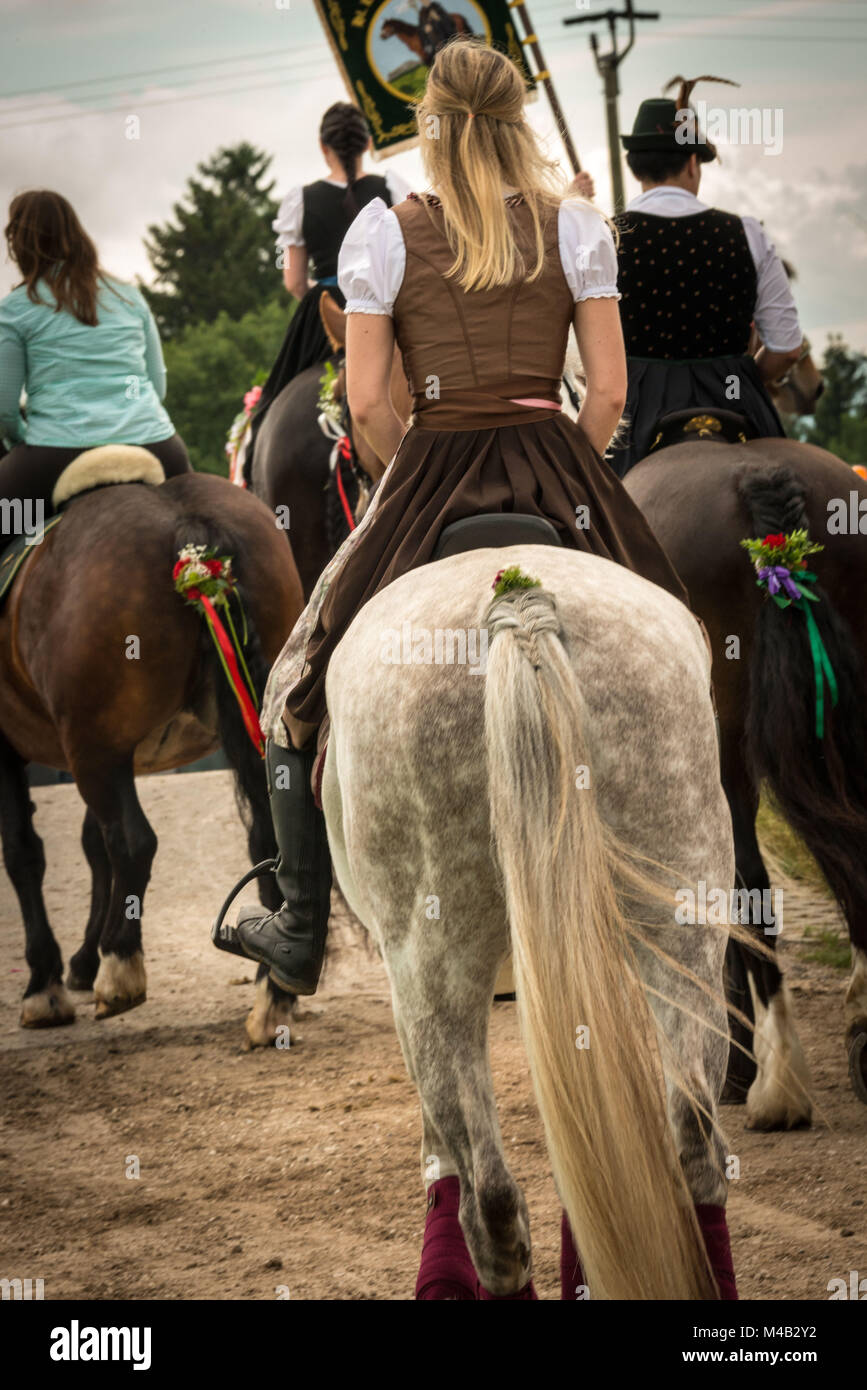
251, 791
819, 784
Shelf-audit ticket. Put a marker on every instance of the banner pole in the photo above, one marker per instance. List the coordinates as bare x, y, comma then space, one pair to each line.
543, 76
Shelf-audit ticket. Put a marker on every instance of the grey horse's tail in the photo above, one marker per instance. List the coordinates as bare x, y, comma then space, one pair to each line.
589, 1033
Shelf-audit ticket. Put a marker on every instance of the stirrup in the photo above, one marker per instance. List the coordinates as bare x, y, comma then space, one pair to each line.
225, 939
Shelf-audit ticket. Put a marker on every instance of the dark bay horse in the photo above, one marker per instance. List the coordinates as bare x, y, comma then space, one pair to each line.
702, 498
106, 672
291, 470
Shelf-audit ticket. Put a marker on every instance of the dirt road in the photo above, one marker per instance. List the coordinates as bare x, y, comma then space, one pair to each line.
297, 1170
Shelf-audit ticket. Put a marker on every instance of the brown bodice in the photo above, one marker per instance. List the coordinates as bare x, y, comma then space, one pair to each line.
467, 354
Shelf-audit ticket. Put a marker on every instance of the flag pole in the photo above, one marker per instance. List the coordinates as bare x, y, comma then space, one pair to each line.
542, 75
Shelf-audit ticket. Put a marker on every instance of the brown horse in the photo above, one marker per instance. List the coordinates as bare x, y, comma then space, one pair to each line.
411, 34
407, 33
702, 498
106, 672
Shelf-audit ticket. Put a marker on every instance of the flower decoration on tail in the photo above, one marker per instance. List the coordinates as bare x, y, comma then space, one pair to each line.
511, 578
780, 561
205, 579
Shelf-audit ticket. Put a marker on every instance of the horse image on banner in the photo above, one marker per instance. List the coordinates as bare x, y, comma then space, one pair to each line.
384, 52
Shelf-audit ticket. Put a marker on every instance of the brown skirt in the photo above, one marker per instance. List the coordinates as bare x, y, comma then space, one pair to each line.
545, 468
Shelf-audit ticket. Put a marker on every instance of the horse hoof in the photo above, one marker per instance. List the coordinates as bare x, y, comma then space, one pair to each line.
789, 1112
856, 1042
119, 1004
78, 982
50, 1008
267, 1024
120, 985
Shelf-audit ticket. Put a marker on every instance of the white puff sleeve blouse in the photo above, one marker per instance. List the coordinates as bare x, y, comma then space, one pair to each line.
372, 259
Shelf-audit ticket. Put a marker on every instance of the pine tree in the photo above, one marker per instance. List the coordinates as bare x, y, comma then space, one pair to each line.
217, 255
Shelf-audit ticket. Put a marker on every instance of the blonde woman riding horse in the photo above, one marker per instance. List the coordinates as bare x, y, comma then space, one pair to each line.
479, 282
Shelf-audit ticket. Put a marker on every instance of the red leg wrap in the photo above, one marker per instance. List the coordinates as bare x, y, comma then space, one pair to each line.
716, 1240
446, 1270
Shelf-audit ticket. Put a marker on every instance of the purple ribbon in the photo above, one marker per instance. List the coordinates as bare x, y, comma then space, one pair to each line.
779, 577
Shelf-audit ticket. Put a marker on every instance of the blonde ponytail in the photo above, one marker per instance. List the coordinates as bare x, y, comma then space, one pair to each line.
475, 140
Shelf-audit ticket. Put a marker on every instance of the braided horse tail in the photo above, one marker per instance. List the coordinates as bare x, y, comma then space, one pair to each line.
621, 1185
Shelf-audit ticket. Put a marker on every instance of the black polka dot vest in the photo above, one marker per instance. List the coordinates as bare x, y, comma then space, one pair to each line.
688, 285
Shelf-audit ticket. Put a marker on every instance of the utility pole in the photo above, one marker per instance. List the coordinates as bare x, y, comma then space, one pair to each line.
607, 65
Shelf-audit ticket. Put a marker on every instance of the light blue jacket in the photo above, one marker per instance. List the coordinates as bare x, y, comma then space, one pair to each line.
86, 385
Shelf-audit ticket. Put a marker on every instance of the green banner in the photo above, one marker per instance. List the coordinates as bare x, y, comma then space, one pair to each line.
384, 49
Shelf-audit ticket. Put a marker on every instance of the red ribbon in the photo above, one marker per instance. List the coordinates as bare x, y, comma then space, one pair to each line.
239, 688
344, 450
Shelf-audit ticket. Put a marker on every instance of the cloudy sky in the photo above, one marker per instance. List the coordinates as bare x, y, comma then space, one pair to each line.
205, 73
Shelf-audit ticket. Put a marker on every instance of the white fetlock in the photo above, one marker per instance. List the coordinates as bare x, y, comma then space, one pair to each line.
779, 1096
121, 984
50, 1008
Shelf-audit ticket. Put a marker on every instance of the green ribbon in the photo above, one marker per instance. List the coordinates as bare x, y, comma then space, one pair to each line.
822, 668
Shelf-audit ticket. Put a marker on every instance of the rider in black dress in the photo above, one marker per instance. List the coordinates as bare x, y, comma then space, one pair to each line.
693, 281
312, 222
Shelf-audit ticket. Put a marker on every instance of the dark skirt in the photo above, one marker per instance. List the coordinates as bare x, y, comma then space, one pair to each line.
547, 468
658, 387
304, 345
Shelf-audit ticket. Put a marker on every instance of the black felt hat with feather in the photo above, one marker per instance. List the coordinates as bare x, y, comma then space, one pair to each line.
660, 119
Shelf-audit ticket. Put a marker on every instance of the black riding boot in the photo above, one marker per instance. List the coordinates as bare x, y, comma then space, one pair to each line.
291, 941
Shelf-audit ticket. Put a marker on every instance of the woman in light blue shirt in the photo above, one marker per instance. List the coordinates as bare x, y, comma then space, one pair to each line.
85, 349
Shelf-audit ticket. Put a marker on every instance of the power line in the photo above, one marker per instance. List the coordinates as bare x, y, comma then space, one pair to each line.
717, 35
164, 101
34, 111
788, 19
151, 72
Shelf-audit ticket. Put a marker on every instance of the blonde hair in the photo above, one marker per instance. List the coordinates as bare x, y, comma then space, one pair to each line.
474, 139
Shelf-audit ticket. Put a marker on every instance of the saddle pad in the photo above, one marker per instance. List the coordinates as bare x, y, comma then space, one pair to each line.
13, 557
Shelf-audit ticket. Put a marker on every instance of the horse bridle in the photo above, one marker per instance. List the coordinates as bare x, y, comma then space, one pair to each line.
340, 431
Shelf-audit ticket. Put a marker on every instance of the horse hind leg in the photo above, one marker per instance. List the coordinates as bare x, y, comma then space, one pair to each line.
130, 844
443, 1033
85, 963
46, 1003
274, 1009
776, 1085
269, 1020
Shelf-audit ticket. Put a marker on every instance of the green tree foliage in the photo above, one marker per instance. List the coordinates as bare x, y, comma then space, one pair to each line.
210, 367
217, 256
839, 423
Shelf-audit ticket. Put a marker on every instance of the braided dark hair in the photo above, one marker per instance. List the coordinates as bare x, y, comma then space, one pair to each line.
345, 131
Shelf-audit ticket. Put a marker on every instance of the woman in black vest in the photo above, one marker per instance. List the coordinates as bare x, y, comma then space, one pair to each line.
311, 224
693, 280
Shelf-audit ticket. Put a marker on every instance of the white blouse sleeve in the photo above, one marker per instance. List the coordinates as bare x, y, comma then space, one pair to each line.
775, 314
372, 260
289, 218
587, 252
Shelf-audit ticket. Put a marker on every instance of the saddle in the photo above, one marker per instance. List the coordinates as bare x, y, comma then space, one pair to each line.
494, 529
684, 426
91, 470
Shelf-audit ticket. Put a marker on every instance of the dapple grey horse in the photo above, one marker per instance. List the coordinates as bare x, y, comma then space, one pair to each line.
538, 772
